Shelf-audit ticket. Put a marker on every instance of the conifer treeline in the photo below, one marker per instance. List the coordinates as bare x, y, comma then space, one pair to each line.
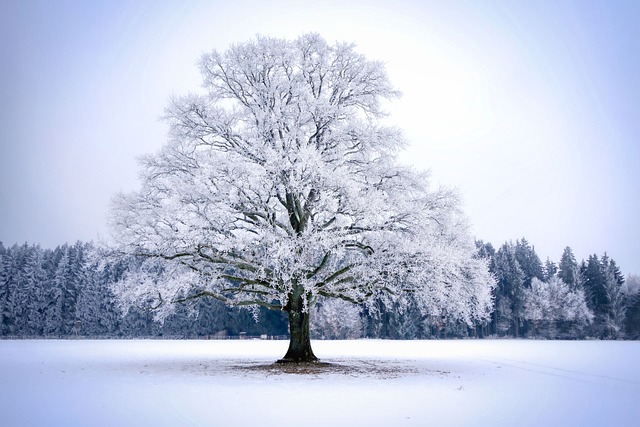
65, 292
565, 300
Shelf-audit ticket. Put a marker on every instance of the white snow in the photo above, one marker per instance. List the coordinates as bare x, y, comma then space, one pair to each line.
393, 383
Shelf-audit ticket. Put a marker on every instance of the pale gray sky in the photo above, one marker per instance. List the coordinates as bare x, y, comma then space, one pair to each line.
529, 108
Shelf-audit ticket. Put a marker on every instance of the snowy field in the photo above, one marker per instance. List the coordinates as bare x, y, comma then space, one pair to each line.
373, 383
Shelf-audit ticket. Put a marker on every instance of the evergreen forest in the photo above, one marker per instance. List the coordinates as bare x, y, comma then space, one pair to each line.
66, 292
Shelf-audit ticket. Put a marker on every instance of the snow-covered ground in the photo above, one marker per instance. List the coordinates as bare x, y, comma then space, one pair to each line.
377, 383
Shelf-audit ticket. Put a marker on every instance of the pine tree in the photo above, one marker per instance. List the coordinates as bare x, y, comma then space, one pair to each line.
32, 301
631, 290
487, 252
11, 293
63, 292
5, 277
95, 309
6, 269
616, 308
550, 270
528, 261
568, 269
4, 288
509, 308
593, 282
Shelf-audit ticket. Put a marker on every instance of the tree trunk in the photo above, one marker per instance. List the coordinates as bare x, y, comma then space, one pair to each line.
300, 342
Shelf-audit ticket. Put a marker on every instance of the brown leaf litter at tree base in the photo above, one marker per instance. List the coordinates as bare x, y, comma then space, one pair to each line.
362, 368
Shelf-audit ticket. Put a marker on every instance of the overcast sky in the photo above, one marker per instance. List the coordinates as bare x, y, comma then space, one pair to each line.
531, 109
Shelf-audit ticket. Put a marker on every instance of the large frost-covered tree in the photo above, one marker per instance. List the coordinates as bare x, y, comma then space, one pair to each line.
279, 185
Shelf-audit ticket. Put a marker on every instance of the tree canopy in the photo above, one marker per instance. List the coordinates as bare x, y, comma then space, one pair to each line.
279, 185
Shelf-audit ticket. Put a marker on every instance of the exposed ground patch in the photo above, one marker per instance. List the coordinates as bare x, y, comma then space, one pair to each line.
382, 369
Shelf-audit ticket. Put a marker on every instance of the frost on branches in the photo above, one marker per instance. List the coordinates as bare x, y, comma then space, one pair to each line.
548, 305
280, 185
